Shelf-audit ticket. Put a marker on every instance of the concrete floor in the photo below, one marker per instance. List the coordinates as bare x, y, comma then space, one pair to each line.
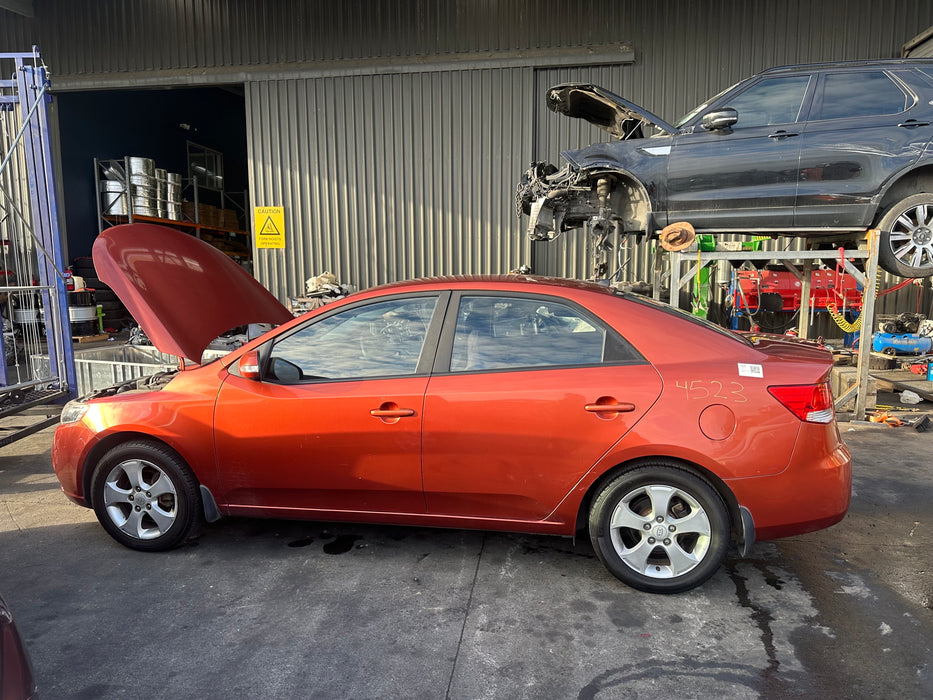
278, 609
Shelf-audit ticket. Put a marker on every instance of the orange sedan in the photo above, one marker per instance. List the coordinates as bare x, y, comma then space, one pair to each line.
504, 403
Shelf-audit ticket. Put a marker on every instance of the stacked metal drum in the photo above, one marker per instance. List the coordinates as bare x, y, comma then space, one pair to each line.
141, 188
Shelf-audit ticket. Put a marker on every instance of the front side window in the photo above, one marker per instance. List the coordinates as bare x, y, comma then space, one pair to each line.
383, 339
770, 101
510, 333
861, 95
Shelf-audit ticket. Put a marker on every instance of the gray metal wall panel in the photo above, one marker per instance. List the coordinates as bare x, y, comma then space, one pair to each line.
687, 48
400, 175
390, 177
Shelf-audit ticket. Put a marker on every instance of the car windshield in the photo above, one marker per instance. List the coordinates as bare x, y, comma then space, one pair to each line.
696, 110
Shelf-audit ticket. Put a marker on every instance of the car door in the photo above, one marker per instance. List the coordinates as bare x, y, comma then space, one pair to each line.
865, 127
529, 391
335, 422
743, 177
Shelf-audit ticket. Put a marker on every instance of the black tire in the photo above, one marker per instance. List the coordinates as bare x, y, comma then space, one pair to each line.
83, 267
103, 295
906, 245
113, 308
674, 554
151, 519
94, 283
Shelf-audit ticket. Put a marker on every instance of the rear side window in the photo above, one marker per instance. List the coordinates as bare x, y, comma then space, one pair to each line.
510, 333
861, 95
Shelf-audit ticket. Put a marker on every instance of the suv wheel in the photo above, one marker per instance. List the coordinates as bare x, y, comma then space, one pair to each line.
906, 246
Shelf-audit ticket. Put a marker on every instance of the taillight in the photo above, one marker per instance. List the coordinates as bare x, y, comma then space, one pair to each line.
812, 403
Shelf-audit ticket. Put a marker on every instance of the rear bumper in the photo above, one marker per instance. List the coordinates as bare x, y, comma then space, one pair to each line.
811, 494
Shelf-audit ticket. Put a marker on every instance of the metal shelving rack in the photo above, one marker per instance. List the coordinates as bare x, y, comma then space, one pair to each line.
107, 218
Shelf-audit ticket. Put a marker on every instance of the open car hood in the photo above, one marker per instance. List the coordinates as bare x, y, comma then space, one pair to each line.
182, 291
602, 108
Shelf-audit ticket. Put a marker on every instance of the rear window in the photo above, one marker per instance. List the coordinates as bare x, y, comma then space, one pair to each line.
684, 316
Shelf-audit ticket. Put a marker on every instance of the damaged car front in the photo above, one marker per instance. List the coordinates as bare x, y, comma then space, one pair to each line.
606, 188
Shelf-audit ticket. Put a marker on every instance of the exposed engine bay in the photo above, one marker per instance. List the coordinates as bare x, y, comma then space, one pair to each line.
152, 382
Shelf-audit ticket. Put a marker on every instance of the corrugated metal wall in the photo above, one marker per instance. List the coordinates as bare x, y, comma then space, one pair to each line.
388, 177
393, 132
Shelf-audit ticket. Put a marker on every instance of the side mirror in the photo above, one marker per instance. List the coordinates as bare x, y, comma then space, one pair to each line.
248, 365
720, 119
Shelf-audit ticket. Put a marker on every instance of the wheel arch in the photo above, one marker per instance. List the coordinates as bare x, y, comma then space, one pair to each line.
638, 208
732, 504
114, 440
917, 180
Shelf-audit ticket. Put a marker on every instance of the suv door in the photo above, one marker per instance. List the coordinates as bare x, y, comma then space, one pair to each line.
864, 127
743, 177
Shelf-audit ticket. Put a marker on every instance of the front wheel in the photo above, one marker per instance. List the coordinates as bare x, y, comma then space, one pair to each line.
906, 245
145, 496
660, 528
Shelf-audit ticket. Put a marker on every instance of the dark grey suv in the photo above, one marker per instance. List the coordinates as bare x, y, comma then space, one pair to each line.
812, 150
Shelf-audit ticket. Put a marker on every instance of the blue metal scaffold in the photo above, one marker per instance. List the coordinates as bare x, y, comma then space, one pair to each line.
37, 365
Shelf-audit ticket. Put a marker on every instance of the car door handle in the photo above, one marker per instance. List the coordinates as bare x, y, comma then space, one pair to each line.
911, 123
392, 412
609, 407
782, 134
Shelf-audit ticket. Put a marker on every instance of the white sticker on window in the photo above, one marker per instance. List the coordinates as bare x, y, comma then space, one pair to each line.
750, 370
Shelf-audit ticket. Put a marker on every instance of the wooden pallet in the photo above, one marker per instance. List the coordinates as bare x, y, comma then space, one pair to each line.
901, 379
89, 338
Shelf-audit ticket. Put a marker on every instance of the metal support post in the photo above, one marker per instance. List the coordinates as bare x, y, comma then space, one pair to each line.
869, 293
31, 81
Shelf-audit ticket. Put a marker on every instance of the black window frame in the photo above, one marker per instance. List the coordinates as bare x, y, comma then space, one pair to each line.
803, 112
817, 107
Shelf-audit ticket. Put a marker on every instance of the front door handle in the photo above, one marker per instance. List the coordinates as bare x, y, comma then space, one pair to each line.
609, 407
392, 412
911, 123
782, 134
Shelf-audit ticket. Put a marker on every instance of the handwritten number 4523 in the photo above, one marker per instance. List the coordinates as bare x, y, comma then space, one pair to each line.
712, 389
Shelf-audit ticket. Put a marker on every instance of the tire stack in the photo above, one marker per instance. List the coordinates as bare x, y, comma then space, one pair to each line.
116, 317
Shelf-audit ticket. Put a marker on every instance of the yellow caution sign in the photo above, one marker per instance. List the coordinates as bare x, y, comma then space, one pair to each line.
270, 227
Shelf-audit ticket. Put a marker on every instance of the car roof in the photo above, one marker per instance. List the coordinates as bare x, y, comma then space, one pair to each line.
532, 282
852, 65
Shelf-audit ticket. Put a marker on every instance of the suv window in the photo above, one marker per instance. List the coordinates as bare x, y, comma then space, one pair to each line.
860, 95
509, 333
771, 101
383, 339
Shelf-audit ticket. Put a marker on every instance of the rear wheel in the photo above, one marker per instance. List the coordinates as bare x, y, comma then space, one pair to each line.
660, 528
145, 496
906, 246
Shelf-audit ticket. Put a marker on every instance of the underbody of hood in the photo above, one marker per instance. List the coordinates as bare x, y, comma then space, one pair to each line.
602, 108
182, 291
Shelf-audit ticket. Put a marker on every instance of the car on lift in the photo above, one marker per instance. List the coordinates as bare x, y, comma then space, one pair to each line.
811, 150
512, 403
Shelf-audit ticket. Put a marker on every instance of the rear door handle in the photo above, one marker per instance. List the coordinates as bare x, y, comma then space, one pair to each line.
782, 134
911, 123
609, 407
